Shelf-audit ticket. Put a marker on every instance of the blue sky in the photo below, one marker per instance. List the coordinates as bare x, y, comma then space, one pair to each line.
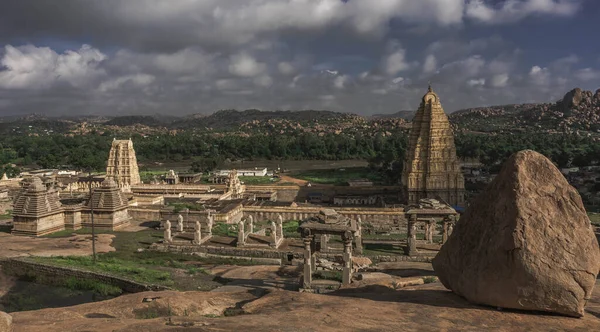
359, 56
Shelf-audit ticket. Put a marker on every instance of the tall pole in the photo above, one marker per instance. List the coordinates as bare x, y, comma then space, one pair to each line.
92, 218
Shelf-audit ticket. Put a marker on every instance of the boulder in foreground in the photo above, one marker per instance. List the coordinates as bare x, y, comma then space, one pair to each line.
525, 243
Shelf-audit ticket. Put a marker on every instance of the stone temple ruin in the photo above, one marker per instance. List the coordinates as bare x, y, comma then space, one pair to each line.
38, 209
248, 236
315, 232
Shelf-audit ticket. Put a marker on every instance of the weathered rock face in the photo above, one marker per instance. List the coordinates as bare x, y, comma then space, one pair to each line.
525, 243
5, 322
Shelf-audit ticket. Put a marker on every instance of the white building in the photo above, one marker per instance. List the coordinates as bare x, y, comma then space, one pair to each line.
244, 172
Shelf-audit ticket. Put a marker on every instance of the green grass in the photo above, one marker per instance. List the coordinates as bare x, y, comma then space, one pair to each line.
258, 180
328, 275
117, 267
338, 177
7, 215
222, 229
147, 176
290, 229
92, 285
594, 218
182, 206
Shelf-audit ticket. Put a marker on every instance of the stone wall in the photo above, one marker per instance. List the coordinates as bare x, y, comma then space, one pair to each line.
23, 267
140, 214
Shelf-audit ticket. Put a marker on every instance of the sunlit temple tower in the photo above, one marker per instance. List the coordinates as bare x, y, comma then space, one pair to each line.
431, 168
122, 164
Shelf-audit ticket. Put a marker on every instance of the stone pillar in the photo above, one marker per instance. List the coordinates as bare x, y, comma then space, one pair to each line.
197, 233
358, 238
427, 233
324, 239
279, 228
209, 224
179, 223
241, 234
167, 235
411, 236
347, 270
445, 231
430, 230
273, 233
250, 224
307, 278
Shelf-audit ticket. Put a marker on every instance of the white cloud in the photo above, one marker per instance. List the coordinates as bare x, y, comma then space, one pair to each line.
341, 81
515, 10
499, 80
137, 80
286, 68
476, 82
430, 64
245, 65
264, 81
587, 74
395, 61
30, 67
539, 75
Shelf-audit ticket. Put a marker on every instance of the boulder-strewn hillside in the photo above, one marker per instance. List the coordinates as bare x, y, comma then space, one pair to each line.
228, 119
578, 110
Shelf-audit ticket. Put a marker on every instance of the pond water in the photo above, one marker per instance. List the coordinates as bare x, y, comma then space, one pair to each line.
25, 295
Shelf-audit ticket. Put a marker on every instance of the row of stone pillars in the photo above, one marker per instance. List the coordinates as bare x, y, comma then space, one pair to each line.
276, 231
411, 236
198, 239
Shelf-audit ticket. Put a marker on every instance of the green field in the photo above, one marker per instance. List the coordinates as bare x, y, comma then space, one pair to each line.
594, 218
338, 177
258, 180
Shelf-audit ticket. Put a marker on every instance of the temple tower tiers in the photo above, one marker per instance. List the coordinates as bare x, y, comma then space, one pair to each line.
431, 168
122, 164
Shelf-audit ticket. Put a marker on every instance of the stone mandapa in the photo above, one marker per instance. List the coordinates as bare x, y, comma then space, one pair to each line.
525, 243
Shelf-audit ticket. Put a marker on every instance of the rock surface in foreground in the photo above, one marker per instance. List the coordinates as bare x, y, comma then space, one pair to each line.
525, 243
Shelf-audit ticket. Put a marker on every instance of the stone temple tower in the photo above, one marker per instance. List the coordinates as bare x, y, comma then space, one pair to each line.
431, 168
122, 164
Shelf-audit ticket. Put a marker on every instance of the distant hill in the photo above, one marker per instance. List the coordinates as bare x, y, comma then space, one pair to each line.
130, 120
406, 115
226, 119
577, 110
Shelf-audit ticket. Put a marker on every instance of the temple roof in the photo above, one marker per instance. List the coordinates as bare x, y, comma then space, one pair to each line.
36, 201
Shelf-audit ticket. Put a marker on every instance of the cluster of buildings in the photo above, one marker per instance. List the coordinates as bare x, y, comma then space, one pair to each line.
48, 201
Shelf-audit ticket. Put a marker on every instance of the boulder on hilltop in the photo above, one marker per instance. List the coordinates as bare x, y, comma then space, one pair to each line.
525, 243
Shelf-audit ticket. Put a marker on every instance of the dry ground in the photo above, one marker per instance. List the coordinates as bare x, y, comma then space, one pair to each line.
426, 307
78, 245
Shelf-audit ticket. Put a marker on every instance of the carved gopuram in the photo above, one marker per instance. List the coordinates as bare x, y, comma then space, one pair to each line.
122, 164
110, 207
431, 168
37, 210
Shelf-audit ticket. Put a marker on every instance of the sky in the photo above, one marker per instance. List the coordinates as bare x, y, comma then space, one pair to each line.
178, 57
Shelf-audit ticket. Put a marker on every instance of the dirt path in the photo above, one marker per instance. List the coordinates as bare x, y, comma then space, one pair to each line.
287, 178
78, 245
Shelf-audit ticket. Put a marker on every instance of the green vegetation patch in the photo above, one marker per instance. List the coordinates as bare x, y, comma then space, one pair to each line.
113, 266
338, 177
594, 218
328, 275
258, 180
182, 206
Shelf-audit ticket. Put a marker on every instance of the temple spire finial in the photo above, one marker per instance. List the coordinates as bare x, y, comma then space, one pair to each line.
429, 87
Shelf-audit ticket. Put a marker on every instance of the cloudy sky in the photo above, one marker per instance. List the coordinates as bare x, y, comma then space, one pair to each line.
362, 56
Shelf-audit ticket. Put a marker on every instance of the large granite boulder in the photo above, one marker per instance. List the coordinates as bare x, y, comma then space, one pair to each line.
5, 322
525, 243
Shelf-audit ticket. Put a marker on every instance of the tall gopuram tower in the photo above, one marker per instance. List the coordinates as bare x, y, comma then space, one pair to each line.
122, 164
431, 168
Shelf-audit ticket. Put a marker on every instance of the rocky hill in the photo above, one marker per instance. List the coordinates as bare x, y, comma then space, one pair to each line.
578, 110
